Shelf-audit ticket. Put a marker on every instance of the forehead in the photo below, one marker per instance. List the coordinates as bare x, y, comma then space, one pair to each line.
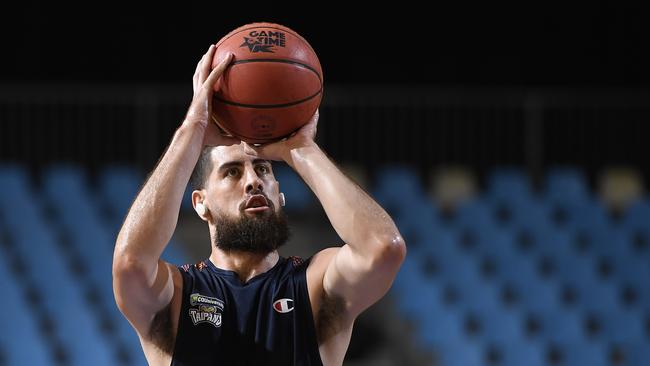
227, 156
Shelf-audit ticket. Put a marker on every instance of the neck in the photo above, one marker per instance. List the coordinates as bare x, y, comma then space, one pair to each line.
246, 265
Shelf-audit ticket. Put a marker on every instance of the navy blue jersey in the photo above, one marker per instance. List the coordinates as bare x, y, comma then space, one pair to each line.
266, 321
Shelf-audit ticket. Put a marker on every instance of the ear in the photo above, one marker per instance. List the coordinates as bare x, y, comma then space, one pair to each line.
198, 202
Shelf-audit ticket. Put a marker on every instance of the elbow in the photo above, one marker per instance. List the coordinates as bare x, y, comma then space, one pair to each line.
392, 251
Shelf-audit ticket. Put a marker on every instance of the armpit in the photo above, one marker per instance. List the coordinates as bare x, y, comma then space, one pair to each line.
160, 333
330, 316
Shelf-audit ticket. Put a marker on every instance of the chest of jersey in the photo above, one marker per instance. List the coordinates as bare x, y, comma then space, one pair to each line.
266, 321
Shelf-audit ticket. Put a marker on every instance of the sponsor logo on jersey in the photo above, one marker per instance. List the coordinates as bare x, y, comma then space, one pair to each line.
205, 309
283, 305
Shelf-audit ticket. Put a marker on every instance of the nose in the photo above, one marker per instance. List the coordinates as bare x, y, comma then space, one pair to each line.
253, 181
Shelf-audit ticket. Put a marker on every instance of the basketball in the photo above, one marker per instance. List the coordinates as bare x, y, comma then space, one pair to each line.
272, 87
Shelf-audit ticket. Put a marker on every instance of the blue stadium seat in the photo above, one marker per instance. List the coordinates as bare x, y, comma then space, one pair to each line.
509, 183
567, 184
529, 212
174, 254
454, 353
476, 214
525, 293
20, 340
577, 352
422, 215
637, 215
118, 187
298, 195
565, 266
609, 327
492, 325
416, 308
398, 178
594, 295
14, 184
62, 297
633, 353
600, 241
439, 324
65, 187
514, 267
468, 292
398, 188
583, 214
553, 326
513, 352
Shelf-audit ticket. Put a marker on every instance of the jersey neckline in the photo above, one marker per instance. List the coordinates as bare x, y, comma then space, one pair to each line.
235, 277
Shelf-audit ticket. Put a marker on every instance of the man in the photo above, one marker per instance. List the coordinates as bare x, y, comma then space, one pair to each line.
245, 305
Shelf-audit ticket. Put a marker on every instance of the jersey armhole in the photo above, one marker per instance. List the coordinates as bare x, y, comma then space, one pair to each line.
179, 324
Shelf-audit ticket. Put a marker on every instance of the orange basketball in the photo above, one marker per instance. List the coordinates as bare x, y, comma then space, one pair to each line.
273, 86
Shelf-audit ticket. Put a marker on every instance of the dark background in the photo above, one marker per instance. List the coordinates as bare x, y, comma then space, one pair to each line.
590, 44
482, 86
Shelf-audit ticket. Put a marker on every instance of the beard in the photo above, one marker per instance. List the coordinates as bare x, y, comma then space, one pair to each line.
252, 234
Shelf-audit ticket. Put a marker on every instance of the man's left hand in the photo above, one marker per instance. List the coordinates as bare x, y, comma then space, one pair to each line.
281, 150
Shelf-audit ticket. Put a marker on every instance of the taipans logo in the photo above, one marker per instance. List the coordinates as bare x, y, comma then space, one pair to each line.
283, 305
264, 41
209, 316
205, 309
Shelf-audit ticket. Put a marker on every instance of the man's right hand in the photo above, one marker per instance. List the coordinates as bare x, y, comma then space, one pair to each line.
200, 110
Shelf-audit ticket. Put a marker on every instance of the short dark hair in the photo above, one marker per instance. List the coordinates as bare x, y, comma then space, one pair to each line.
202, 169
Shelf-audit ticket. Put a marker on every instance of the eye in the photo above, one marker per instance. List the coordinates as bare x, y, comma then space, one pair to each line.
263, 169
232, 172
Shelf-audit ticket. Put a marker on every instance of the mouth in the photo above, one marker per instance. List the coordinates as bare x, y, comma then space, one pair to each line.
256, 203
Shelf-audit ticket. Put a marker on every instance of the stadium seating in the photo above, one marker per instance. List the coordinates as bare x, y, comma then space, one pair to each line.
516, 275
524, 275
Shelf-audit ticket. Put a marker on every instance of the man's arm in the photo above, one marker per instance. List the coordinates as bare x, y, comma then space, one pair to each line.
361, 271
142, 282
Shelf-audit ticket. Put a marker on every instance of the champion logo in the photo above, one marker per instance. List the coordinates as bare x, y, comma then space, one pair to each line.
283, 305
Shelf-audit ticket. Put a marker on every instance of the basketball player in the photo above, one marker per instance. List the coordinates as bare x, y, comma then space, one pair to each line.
246, 305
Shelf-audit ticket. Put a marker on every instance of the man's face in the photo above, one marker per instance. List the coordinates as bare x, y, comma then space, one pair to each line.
242, 196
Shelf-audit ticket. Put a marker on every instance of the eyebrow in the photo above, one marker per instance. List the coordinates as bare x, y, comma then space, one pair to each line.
229, 164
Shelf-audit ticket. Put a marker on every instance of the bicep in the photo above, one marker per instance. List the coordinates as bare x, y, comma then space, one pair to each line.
360, 281
140, 295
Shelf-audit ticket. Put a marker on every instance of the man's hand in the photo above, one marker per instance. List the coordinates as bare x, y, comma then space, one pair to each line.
200, 111
281, 150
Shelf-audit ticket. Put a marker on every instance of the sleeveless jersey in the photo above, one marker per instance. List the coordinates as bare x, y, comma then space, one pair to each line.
266, 321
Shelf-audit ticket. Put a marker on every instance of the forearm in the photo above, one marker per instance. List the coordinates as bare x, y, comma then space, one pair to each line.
356, 217
152, 219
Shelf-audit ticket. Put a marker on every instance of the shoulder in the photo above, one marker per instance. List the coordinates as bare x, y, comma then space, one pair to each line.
319, 261
317, 265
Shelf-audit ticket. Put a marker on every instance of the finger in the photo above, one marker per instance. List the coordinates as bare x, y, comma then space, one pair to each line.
216, 73
197, 72
248, 149
206, 64
195, 77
